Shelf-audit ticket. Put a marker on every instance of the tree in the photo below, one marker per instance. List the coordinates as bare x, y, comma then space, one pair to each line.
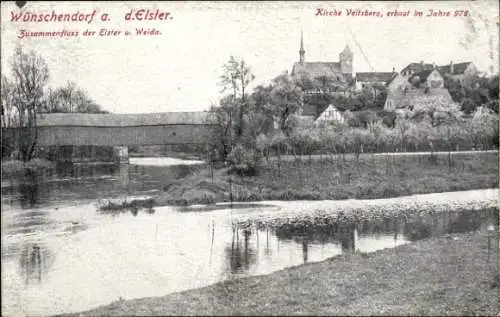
30, 74
236, 77
67, 96
286, 99
8, 98
70, 99
234, 113
468, 105
220, 142
261, 101
415, 81
454, 87
483, 128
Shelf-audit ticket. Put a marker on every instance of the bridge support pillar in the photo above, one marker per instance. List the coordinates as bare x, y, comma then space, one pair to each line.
122, 154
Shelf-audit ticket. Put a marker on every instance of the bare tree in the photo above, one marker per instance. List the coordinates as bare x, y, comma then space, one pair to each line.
30, 75
237, 75
67, 94
69, 99
8, 102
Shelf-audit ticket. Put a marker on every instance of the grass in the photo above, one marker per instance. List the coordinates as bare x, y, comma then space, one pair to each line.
161, 151
370, 177
449, 275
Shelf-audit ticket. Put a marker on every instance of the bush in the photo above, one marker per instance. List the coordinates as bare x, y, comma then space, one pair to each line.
244, 162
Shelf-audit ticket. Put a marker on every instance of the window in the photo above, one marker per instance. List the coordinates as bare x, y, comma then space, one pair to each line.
389, 104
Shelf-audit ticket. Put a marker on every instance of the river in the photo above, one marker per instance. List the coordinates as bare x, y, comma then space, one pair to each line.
61, 254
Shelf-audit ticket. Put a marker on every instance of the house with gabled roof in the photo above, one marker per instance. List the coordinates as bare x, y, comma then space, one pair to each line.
331, 115
458, 71
430, 78
426, 85
412, 68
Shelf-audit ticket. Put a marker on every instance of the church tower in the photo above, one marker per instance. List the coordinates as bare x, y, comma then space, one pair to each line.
302, 52
346, 58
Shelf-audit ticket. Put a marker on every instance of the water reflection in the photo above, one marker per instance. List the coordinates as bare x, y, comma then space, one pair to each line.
29, 194
34, 261
175, 251
240, 254
79, 258
306, 233
351, 236
31, 263
72, 181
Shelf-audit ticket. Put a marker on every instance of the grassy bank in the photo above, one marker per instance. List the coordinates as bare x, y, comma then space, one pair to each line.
367, 177
15, 168
161, 151
451, 275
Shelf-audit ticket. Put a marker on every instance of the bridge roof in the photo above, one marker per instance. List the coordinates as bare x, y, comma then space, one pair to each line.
122, 120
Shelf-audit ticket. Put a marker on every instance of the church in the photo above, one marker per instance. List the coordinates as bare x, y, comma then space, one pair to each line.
334, 77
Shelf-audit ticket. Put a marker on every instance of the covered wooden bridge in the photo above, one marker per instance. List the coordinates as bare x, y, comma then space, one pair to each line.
120, 130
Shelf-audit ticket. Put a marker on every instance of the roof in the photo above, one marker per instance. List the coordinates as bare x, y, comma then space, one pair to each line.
318, 69
375, 76
329, 114
417, 67
121, 120
423, 75
396, 75
458, 68
415, 96
347, 49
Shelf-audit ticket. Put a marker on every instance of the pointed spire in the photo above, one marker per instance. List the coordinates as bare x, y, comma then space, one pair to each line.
301, 41
302, 52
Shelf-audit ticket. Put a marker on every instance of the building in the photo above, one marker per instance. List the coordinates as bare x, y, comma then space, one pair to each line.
330, 115
332, 77
328, 77
369, 79
427, 79
459, 71
413, 68
416, 88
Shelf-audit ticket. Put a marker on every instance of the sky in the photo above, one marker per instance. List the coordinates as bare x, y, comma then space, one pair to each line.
179, 69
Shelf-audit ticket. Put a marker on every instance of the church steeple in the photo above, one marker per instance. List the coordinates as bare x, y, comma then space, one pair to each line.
346, 58
302, 52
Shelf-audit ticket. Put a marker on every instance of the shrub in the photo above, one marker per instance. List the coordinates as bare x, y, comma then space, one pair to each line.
244, 162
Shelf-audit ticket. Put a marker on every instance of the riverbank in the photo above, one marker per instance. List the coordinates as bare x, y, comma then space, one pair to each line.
16, 168
449, 275
368, 177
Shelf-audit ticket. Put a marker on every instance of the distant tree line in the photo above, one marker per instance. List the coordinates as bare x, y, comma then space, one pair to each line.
24, 95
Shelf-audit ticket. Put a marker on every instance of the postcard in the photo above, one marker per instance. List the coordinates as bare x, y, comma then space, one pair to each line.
250, 158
